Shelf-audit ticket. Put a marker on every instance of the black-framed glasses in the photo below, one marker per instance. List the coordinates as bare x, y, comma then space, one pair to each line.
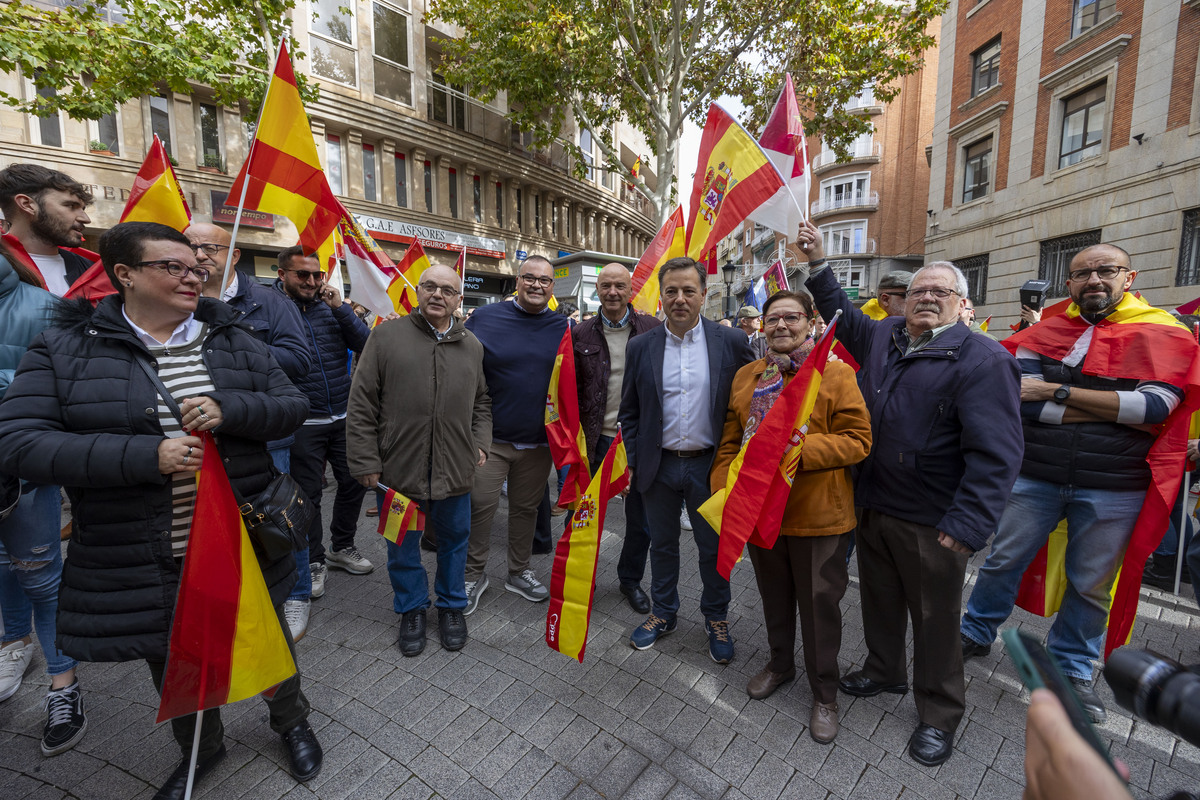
791, 320
534, 280
940, 294
1105, 273
209, 248
176, 269
444, 291
304, 275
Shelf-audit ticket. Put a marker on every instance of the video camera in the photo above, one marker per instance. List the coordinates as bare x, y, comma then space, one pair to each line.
1158, 689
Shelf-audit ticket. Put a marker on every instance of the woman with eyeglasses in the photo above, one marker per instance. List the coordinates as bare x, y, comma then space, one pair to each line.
84, 412
806, 569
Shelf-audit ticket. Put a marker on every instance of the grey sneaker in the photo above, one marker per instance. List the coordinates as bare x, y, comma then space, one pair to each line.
15, 660
350, 560
528, 586
295, 612
318, 571
475, 590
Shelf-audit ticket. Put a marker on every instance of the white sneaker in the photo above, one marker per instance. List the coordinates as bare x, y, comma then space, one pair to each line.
14, 663
350, 560
296, 614
685, 522
317, 570
475, 590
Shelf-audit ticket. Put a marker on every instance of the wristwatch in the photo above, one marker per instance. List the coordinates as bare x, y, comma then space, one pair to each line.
1062, 393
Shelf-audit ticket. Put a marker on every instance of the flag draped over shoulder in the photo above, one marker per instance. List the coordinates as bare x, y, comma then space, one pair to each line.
573, 579
733, 178
399, 516
283, 174
1139, 342
784, 143
21, 254
750, 507
226, 640
668, 243
403, 288
564, 428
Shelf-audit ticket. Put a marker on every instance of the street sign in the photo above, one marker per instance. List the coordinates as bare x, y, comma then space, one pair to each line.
522, 255
852, 292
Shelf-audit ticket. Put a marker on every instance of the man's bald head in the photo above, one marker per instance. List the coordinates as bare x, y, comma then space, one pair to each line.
439, 295
207, 237
614, 287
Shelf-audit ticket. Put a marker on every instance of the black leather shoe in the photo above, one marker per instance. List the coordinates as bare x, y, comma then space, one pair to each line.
176, 785
930, 746
412, 633
452, 627
972, 648
1092, 704
638, 600
859, 685
304, 752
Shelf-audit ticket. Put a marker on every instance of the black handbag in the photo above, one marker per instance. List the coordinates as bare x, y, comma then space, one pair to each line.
279, 518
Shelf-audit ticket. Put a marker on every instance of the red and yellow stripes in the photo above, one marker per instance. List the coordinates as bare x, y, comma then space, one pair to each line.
564, 428
399, 516
573, 580
402, 289
226, 641
668, 243
156, 195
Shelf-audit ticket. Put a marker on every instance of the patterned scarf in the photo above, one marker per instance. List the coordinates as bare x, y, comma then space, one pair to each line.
770, 383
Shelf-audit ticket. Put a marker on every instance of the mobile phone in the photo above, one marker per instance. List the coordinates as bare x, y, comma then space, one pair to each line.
1039, 670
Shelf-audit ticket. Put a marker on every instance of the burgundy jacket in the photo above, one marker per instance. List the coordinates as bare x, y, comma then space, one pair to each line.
592, 367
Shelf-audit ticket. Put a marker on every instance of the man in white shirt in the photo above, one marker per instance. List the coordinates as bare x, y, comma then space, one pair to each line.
673, 401
45, 212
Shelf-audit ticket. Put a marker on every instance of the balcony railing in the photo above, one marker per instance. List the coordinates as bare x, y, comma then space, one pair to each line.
827, 158
849, 247
865, 99
856, 200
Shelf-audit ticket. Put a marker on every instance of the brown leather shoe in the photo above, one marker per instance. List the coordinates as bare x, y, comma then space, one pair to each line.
766, 682
823, 726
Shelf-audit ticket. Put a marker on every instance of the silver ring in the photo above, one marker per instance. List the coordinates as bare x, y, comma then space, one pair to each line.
204, 416
188, 454
185, 459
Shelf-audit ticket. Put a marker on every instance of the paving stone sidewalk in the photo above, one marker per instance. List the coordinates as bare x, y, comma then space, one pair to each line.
507, 717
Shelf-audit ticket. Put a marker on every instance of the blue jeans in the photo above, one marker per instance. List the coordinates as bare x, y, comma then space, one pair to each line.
280, 452
632, 564
451, 521
1099, 523
30, 536
682, 481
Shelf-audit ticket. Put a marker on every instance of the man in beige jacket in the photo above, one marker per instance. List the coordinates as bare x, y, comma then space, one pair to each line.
419, 421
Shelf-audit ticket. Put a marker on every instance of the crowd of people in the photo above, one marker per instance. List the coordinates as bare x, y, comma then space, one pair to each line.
943, 439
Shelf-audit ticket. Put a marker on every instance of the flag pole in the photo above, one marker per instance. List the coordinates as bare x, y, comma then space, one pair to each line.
1183, 513
195, 756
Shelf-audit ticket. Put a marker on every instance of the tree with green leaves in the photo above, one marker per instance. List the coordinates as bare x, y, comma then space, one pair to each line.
657, 63
89, 57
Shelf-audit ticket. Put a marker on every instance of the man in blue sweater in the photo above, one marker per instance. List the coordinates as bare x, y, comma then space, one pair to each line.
331, 328
520, 341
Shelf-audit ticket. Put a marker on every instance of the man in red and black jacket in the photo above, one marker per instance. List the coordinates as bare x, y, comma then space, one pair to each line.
45, 211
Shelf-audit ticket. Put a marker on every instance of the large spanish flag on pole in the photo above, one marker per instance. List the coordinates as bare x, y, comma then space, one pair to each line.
1139, 342
573, 579
403, 288
564, 428
226, 640
750, 506
733, 178
668, 243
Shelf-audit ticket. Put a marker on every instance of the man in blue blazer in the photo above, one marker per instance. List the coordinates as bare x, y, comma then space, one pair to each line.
673, 402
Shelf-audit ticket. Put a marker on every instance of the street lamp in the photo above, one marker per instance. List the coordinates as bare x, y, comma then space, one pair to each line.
728, 271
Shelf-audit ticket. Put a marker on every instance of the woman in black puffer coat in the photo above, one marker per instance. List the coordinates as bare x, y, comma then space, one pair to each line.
82, 413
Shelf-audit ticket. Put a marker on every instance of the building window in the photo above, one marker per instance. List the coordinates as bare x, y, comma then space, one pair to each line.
499, 204
976, 269
567, 214
1083, 125
537, 214
1087, 14
477, 197
977, 170
848, 275
49, 127
210, 136
585, 144
107, 129
1188, 272
447, 104
452, 191
393, 76
333, 163
520, 211
845, 191
160, 120
332, 43
985, 71
844, 238
401, 181
554, 210
429, 187
1055, 259
369, 172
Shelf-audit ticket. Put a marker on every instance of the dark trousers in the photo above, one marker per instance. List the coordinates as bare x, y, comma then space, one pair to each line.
682, 481
806, 573
631, 566
906, 574
314, 445
288, 708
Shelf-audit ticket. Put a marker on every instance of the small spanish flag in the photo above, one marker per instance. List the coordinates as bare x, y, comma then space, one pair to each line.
400, 515
403, 289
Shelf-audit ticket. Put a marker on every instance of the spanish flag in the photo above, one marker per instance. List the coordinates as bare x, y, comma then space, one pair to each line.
873, 310
983, 326
564, 428
733, 178
750, 507
369, 268
573, 579
1139, 342
226, 641
283, 174
400, 515
403, 288
668, 243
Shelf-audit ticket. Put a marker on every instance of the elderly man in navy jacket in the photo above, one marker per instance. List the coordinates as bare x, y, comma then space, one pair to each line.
946, 426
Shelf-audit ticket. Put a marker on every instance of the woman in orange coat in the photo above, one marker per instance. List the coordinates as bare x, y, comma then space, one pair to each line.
806, 568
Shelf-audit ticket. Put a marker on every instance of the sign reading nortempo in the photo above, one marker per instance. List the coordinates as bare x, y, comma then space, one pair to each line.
225, 214
393, 230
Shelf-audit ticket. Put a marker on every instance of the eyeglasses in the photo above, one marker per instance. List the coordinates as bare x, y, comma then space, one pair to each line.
900, 293
176, 269
533, 280
209, 248
5, 226
1107, 272
940, 294
304, 275
444, 291
790, 320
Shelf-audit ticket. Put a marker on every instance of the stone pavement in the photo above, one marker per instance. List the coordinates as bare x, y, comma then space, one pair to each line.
507, 717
